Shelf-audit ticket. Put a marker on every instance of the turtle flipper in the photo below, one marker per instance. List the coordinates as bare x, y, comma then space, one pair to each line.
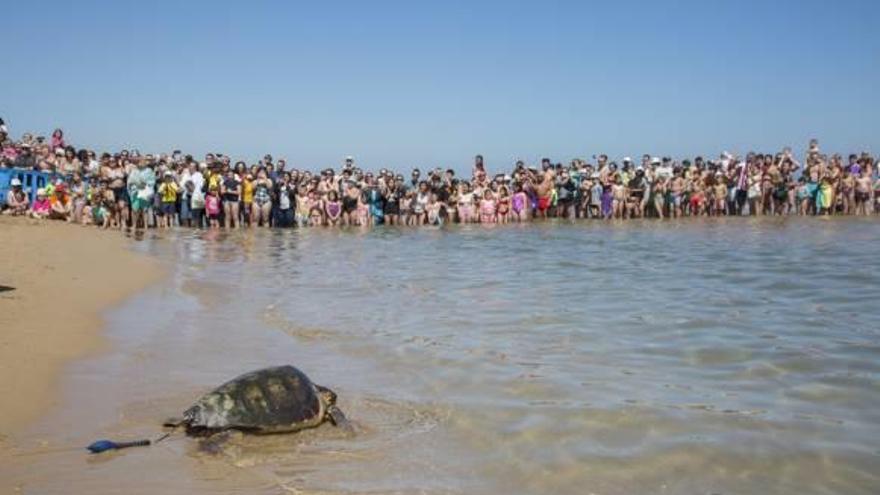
216, 443
338, 419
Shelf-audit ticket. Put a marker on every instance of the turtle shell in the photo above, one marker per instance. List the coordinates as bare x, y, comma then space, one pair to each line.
271, 400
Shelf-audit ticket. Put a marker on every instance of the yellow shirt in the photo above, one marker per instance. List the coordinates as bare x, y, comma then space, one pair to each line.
168, 192
247, 191
214, 181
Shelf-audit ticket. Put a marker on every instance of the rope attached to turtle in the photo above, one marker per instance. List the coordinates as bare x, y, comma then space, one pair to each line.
105, 445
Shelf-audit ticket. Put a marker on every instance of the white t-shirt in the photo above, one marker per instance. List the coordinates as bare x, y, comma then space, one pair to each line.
198, 199
197, 179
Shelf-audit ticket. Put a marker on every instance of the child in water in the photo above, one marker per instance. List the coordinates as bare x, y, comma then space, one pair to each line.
519, 204
433, 210
212, 207
406, 213
487, 207
333, 209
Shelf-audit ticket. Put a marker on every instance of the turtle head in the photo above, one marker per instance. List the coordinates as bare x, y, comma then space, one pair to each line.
333, 414
328, 397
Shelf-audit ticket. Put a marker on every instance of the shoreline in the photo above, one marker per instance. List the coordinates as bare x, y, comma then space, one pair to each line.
64, 278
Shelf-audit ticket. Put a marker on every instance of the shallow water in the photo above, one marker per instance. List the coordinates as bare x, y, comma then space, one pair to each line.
717, 356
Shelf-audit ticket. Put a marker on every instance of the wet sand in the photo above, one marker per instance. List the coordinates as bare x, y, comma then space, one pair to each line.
62, 278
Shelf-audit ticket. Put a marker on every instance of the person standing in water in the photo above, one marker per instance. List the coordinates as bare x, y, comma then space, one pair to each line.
544, 186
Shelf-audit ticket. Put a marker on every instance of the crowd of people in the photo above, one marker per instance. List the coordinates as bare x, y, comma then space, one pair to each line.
128, 190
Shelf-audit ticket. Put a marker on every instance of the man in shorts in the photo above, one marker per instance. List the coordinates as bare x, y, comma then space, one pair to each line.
544, 188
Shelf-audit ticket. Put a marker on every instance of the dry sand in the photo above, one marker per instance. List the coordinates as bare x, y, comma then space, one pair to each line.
64, 277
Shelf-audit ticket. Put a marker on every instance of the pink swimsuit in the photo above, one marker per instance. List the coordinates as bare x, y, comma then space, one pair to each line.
487, 210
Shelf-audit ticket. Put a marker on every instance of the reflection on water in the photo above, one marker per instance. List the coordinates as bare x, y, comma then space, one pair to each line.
717, 356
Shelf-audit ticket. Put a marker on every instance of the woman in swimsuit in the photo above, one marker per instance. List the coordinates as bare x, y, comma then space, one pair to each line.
230, 190
350, 203
333, 209
465, 203
262, 207
406, 212
803, 197
363, 211
303, 205
487, 207
618, 197
503, 204
754, 194
432, 210
519, 203
421, 203
69, 164
848, 193
114, 174
392, 203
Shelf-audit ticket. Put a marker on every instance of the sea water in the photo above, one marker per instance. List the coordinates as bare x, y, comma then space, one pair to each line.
730, 355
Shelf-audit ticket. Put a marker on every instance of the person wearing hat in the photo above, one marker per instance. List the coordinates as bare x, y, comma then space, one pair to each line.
42, 206
61, 204
16, 199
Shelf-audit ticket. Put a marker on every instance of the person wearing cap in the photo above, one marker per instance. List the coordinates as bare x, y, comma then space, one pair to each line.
41, 207
16, 199
61, 204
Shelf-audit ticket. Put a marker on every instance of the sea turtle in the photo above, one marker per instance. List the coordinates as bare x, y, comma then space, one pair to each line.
272, 400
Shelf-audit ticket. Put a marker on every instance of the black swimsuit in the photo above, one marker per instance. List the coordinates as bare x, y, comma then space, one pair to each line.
349, 204
230, 184
392, 204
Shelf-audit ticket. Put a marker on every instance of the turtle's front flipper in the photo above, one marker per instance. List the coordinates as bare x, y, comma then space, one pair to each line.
338, 419
216, 443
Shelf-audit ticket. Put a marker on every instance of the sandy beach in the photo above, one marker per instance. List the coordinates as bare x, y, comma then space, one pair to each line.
63, 277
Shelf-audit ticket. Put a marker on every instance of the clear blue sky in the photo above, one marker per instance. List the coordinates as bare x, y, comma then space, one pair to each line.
433, 83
